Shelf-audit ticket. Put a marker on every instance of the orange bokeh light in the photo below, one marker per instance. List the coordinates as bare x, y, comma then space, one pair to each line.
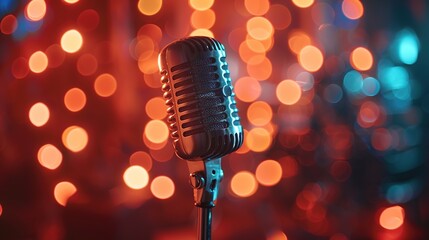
259, 67
269, 172
201, 5
141, 158
277, 235
257, 7
136, 177
247, 89
8, 24
258, 139
49, 156
280, 16
39, 114
71, 41
38, 62
310, 58
202, 32
361, 59
352, 9
71, 1
392, 217
35, 10
288, 92
105, 85
259, 113
156, 108
63, 191
303, 3
156, 131
74, 99
259, 28
244, 184
203, 19
298, 40
75, 138
149, 64
149, 7
162, 187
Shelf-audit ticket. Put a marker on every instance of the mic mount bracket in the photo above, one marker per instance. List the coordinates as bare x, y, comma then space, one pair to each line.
205, 177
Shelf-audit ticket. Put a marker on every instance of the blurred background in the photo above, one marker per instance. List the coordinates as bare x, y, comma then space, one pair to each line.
332, 95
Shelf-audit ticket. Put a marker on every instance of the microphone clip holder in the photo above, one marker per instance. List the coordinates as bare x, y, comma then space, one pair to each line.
205, 177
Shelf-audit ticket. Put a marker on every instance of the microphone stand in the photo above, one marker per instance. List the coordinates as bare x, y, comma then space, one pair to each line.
205, 177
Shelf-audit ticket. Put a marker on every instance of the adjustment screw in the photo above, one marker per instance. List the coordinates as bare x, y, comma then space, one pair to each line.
196, 180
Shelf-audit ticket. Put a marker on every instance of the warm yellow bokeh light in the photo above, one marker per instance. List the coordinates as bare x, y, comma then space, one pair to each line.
202, 32
38, 62
105, 85
258, 139
162, 187
36, 10
352, 9
244, 184
156, 108
74, 99
74, 138
71, 41
288, 92
71, 1
269, 173
298, 40
259, 67
149, 7
201, 5
259, 28
136, 177
303, 3
49, 156
392, 217
203, 19
63, 191
310, 58
257, 7
39, 114
259, 113
361, 59
156, 131
277, 235
247, 89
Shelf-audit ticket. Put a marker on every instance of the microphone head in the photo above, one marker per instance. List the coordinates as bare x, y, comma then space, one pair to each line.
202, 113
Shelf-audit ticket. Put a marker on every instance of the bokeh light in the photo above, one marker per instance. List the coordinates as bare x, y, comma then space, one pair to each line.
361, 59
278, 235
258, 139
8, 24
303, 3
39, 114
201, 5
105, 85
75, 138
141, 158
269, 172
257, 7
156, 131
244, 184
352, 9
310, 58
49, 156
259, 113
136, 177
75, 99
259, 28
36, 10
288, 92
71, 41
247, 89
71, 1
155, 108
162, 187
202, 32
38, 62
63, 191
392, 217
149, 7
203, 19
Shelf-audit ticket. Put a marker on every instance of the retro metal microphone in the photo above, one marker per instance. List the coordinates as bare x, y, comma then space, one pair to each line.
203, 117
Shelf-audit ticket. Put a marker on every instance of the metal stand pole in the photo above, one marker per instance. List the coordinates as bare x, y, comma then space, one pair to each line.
204, 223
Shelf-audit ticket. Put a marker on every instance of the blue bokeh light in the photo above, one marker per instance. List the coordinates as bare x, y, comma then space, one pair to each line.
370, 86
353, 82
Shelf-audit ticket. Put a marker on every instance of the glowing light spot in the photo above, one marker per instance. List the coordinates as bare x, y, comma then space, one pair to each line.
392, 217
310, 58
269, 173
38, 62
136, 177
370, 86
149, 64
149, 7
303, 3
408, 46
75, 138
288, 92
141, 158
49, 156
71, 1
39, 114
352, 9
71, 41
257, 7
381, 139
63, 191
202, 32
298, 40
353, 81
201, 5
259, 28
74, 99
258, 139
259, 113
333, 93
244, 184
259, 67
247, 89
162, 187
8, 24
156, 131
1, 209
150, 30
87, 64
361, 59
246, 53
369, 113
277, 235
105, 85
203, 19
36, 10
155, 108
